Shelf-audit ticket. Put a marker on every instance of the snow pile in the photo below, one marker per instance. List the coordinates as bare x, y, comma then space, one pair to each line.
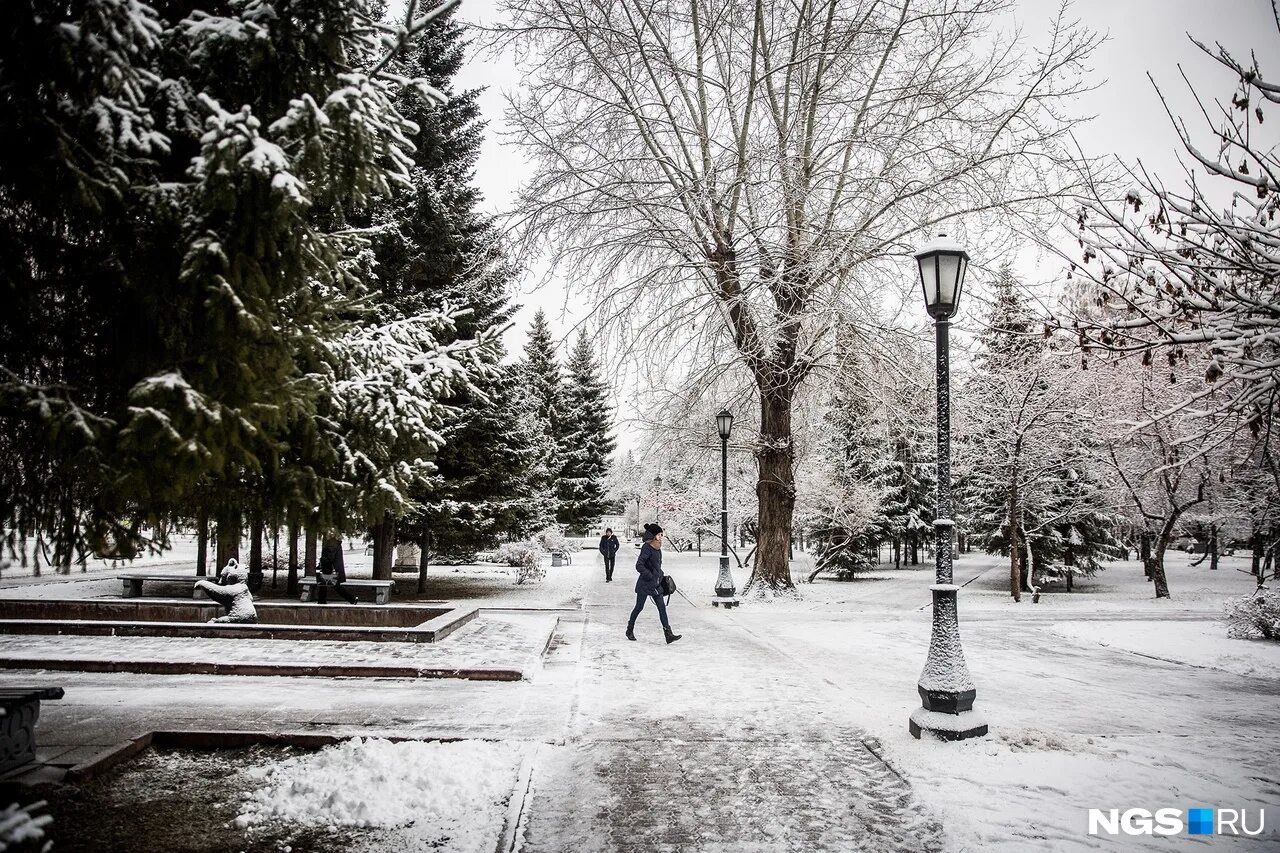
454, 791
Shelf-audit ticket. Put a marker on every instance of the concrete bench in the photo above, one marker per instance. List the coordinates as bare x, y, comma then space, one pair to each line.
19, 710
381, 589
133, 582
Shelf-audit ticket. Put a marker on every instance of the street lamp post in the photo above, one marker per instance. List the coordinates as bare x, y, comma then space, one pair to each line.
946, 689
724, 580
657, 499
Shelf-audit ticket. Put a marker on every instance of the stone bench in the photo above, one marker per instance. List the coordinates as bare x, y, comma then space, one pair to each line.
381, 589
133, 582
19, 711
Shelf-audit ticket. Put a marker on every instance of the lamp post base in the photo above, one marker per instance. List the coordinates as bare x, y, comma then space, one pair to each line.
725, 601
960, 726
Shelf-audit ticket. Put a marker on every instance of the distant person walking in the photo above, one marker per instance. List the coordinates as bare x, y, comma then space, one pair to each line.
609, 546
649, 585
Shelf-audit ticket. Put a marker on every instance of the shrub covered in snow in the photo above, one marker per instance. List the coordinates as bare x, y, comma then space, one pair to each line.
1256, 615
552, 539
525, 557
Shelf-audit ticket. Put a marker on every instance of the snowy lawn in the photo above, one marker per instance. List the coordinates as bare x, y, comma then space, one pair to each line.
1102, 698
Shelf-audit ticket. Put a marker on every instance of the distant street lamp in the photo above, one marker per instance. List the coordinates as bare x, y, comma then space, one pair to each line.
657, 498
946, 689
724, 581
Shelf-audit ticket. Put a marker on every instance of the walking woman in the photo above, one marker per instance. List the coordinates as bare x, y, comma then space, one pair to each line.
649, 584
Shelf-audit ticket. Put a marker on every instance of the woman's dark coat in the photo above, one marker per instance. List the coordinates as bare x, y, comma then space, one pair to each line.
649, 565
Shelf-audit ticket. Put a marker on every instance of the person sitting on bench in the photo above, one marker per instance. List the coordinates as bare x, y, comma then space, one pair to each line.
231, 591
331, 573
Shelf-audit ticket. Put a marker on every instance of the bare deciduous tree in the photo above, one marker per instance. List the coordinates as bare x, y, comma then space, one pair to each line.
758, 169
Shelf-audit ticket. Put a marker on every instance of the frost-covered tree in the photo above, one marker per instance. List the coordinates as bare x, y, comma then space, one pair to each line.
1196, 267
587, 445
742, 177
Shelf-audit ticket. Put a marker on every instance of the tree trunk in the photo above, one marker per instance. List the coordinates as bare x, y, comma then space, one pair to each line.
309, 554
228, 541
1255, 562
775, 490
1155, 564
255, 544
291, 585
1213, 547
275, 555
202, 542
1069, 562
424, 562
1144, 552
897, 552
384, 543
1015, 546
1036, 575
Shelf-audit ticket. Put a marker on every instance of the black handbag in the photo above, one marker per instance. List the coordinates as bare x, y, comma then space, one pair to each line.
668, 585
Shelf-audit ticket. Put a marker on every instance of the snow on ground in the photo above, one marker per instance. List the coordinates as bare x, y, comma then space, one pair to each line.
769, 718
493, 640
1101, 698
435, 795
1197, 644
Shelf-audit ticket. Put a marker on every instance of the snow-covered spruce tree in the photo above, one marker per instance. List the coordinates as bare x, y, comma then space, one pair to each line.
434, 248
220, 347
588, 443
765, 165
844, 507
1025, 425
481, 493
541, 378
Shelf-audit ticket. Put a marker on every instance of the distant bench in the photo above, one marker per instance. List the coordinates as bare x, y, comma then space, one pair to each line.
133, 582
381, 589
19, 710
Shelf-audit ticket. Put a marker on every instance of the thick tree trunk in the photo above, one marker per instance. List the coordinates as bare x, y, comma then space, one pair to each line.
1144, 552
202, 542
384, 543
1037, 572
309, 554
292, 582
1213, 547
1155, 564
775, 490
1255, 562
228, 541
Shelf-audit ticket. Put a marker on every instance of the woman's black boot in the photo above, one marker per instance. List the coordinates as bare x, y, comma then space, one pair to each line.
631, 632
672, 636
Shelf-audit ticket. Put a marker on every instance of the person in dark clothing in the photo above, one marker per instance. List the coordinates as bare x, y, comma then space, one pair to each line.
649, 584
609, 546
332, 573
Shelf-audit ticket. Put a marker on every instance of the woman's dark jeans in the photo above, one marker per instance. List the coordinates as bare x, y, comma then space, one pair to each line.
657, 599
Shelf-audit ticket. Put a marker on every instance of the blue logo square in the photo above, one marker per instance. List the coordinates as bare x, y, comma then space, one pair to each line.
1200, 821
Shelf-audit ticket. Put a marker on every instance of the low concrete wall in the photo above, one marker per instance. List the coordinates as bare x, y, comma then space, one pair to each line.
183, 610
